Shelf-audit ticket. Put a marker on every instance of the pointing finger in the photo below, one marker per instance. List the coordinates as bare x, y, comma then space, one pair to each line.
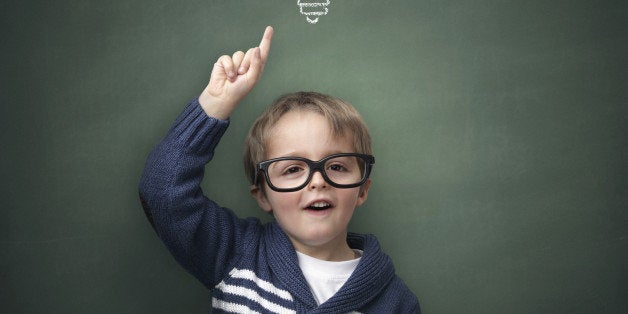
264, 45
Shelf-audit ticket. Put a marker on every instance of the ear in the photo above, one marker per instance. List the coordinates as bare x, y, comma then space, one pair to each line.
364, 192
259, 195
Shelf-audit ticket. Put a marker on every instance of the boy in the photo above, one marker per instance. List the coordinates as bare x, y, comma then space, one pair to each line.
308, 159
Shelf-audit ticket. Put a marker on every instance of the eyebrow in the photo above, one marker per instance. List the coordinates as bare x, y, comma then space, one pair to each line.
298, 155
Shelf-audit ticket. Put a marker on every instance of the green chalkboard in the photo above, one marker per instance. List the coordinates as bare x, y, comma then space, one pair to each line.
499, 128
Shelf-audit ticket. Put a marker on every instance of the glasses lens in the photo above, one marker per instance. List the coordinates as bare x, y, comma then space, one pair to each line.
288, 173
345, 170
292, 173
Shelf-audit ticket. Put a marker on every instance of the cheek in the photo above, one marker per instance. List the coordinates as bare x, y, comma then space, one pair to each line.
350, 198
282, 201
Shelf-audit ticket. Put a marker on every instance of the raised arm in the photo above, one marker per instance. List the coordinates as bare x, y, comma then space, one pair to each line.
203, 237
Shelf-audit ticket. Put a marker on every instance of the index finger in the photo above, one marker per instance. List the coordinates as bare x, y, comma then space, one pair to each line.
264, 45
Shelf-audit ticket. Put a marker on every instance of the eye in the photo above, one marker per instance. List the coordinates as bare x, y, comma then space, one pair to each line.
337, 167
293, 170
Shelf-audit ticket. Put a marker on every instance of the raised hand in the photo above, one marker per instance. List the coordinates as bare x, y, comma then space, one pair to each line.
233, 77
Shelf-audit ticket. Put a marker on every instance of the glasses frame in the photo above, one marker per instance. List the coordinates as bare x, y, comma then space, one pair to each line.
315, 166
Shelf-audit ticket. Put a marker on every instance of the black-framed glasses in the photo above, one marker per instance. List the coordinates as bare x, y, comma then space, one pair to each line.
289, 174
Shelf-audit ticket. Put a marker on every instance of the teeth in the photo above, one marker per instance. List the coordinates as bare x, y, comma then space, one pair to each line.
320, 204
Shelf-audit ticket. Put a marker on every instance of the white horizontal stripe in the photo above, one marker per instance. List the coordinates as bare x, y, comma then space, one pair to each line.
231, 307
253, 296
265, 285
312, 4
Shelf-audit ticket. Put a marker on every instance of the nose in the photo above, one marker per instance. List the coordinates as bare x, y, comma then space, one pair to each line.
317, 181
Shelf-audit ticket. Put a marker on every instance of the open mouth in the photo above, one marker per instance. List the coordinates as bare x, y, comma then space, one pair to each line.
319, 206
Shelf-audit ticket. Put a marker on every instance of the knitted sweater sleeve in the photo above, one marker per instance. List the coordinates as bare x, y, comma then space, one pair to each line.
203, 237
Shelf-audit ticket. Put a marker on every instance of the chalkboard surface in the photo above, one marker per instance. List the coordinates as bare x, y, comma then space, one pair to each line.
499, 128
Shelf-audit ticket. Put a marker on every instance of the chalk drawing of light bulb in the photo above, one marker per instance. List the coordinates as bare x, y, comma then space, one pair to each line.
313, 10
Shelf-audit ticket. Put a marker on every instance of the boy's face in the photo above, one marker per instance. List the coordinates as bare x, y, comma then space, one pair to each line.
307, 134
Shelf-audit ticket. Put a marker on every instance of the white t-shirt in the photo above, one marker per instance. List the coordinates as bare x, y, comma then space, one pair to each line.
325, 278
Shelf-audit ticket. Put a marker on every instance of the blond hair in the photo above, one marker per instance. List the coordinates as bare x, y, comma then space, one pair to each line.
341, 115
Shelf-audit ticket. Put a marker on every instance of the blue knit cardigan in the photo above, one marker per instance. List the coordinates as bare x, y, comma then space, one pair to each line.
249, 267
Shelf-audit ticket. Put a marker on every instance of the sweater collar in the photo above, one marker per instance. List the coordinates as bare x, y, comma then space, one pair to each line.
283, 262
372, 275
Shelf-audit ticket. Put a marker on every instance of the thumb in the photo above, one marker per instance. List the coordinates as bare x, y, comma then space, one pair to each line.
255, 70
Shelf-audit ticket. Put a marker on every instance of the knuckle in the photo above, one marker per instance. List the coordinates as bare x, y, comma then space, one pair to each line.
223, 59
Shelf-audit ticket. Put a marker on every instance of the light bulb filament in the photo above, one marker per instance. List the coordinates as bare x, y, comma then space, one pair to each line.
313, 10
